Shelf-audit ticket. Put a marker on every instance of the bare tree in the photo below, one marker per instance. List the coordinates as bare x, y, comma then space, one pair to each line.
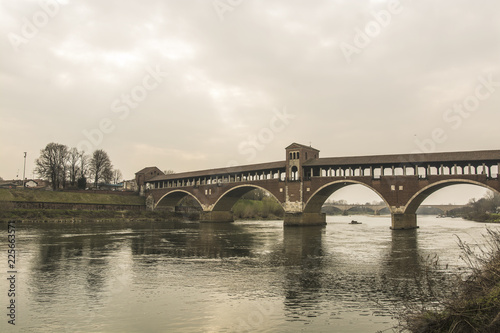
84, 164
117, 176
101, 167
51, 164
83, 170
73, 165
108, 176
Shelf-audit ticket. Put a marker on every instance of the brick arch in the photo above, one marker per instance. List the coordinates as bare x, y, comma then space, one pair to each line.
419, 197
319, 197
227, 200
172, 199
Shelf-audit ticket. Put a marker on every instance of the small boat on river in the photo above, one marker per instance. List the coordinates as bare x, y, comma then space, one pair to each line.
355, 222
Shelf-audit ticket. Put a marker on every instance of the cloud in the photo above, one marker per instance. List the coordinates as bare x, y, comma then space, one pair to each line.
226, 76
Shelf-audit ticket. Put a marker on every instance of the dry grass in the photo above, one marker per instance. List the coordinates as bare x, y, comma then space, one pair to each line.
466, 302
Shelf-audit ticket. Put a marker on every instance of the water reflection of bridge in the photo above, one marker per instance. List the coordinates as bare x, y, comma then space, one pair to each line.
307, 267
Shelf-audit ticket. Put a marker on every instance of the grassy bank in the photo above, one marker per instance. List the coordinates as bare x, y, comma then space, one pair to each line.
483, 217
69, 197
75, 215
472, 302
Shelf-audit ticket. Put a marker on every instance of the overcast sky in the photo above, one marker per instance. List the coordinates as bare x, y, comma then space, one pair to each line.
189, 85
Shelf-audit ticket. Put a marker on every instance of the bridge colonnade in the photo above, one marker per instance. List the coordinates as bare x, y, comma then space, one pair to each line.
219, 179
491, 170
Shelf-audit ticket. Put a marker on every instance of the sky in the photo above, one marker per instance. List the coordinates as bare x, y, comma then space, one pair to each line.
198, 84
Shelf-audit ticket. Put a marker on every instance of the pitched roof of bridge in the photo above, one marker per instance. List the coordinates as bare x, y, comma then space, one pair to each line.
148, 169
298, 145
452, 157
223, 171
375, 160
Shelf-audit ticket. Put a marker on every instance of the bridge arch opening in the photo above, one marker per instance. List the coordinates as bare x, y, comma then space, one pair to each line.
294, 173
227, 201
429, 193
363, 193
175, 199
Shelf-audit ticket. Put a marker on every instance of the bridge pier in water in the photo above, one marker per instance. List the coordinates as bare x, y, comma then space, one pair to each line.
304, 219
403, 221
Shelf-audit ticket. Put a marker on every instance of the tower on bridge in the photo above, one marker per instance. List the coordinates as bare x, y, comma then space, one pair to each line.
296, 156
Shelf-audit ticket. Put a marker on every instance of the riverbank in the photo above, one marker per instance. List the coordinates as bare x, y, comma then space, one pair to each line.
485, 217
73, 215
486, 209
64, 197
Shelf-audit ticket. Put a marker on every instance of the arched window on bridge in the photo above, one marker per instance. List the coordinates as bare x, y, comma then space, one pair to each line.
295, 173
294, 155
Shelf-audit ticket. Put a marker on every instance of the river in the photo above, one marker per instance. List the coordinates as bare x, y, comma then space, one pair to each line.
253, 276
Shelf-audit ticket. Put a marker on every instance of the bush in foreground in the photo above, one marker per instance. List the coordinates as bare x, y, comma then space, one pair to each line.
472, 304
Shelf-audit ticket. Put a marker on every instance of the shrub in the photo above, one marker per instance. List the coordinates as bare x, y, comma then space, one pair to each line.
471, 303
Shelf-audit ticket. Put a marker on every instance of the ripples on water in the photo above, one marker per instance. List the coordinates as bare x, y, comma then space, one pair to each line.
251, 276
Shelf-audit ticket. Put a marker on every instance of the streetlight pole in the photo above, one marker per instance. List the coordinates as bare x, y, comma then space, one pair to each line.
24, 170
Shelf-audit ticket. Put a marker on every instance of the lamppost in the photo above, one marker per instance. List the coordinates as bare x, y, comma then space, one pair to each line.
24, 170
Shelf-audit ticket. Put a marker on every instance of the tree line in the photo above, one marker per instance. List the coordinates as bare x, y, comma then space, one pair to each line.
482, 210
68, 167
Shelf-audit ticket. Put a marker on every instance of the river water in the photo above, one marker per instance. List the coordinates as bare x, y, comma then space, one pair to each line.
253, 276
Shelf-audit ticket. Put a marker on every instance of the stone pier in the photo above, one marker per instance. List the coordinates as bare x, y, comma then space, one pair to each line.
304, 219
402, 221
